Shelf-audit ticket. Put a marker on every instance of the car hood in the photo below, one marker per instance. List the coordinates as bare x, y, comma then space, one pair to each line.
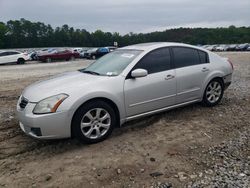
62, 83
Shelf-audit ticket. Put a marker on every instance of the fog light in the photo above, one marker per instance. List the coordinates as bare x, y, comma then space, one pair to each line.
36, 131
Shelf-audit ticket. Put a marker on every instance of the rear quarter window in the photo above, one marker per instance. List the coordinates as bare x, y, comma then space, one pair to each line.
184, 57
203, 57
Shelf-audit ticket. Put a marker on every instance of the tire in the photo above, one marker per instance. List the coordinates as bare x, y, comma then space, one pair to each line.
213, 92
20, 61
85, 123
48, 60
94, 57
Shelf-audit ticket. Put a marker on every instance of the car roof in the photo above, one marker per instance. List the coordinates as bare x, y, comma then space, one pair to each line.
155, 45
151, 45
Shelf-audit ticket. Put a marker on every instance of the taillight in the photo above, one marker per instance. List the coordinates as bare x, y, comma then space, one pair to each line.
230, 62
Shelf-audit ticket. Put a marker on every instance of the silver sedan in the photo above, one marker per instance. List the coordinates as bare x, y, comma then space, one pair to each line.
126, 84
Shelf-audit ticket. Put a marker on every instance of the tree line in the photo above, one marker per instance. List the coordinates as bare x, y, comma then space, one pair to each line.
26, 34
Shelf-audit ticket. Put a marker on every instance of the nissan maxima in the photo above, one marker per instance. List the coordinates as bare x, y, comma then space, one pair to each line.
128, 83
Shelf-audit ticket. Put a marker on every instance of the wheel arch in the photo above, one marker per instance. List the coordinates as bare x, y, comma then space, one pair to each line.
210, 77
109, 101
20, 59
220, 78
217, 76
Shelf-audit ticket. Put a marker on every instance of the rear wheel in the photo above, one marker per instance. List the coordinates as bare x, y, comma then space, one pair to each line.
20, 61
93, 122
93, 57
213, 93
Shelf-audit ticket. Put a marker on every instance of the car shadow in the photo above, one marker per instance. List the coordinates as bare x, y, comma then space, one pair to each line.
146, 121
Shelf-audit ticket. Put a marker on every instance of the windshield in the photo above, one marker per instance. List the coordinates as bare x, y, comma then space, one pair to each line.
113, 63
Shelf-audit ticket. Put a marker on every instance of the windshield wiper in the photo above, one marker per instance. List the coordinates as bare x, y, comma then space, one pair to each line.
90, 72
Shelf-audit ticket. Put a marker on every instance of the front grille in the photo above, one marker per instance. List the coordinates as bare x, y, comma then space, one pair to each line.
23, 103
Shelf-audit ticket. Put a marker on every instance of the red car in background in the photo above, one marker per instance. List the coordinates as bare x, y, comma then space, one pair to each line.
58, 55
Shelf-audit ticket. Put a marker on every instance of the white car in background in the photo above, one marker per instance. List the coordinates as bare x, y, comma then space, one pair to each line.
221, 48
77, 50
13, 57
211, 47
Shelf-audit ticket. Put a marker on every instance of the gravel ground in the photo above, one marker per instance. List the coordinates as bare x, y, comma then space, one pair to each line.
193, 146
230, 165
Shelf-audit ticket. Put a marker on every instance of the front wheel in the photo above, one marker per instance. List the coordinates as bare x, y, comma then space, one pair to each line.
213, 93
93, 122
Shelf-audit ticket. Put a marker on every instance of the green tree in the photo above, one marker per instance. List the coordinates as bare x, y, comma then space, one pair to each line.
3, 31
24, 33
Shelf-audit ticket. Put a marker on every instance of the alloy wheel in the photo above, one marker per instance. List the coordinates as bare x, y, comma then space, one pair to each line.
213, 92
95, 123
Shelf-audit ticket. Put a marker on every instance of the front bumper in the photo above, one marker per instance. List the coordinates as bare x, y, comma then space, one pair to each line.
45, 126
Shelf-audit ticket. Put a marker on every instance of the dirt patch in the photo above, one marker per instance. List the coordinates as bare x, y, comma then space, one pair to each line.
169, 148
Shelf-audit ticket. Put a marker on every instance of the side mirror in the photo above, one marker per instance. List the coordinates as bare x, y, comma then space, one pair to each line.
137, 73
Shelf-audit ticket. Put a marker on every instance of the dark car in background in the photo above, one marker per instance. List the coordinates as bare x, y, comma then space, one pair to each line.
90, 53
96, 53
58, 55
242, 47
232, 47
99, 52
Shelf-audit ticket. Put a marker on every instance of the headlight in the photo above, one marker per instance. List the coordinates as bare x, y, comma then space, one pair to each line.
50, 104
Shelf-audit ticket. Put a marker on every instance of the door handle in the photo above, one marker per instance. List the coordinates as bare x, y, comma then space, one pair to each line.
169, 76
205, 69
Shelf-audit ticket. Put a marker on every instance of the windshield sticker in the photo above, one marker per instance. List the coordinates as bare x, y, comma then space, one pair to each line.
111, 73
128, 55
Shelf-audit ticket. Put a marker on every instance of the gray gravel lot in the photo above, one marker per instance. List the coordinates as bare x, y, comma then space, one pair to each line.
37, 69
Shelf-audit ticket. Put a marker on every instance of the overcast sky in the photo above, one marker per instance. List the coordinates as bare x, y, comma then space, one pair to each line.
129, 15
